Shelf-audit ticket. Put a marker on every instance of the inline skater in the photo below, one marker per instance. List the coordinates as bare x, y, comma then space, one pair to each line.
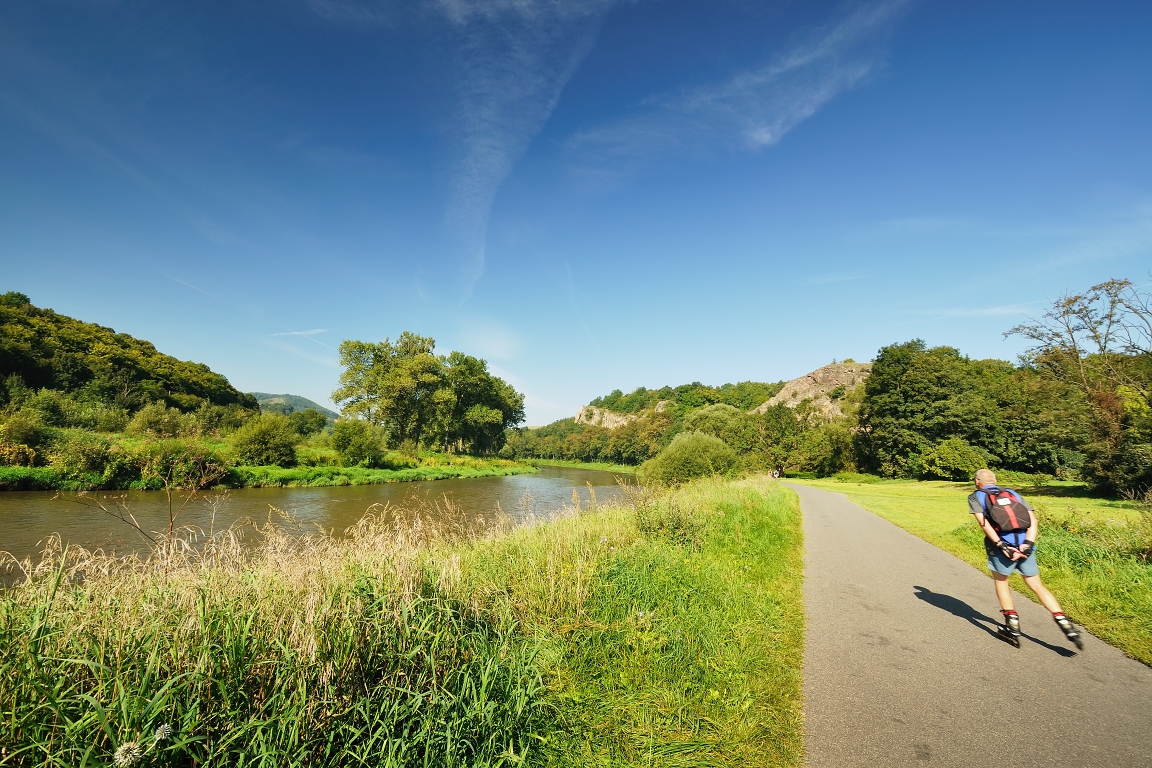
1010, 527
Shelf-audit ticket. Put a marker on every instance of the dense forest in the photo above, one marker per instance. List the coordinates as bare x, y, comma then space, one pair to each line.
1077, 404
82, 406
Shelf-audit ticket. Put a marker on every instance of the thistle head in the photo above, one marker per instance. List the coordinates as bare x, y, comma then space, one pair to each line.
127, 754
163, 733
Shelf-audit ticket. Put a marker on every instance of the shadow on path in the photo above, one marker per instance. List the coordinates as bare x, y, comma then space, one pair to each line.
964, 611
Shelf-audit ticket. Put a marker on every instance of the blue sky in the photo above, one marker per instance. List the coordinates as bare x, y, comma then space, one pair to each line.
590, 194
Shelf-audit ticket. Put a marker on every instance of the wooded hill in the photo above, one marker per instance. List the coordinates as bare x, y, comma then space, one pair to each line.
40, 349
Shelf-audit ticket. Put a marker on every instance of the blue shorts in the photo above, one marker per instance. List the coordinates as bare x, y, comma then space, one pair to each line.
999, 562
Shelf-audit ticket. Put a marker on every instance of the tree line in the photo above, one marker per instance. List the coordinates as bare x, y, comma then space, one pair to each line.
1077, 404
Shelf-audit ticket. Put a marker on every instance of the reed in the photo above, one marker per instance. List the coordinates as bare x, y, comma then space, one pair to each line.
664, 632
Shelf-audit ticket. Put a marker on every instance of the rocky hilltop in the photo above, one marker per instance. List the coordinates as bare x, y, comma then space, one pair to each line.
602, 417
823, 386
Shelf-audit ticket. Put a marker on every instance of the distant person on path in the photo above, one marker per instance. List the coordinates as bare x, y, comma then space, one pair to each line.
776, 474
1010, 526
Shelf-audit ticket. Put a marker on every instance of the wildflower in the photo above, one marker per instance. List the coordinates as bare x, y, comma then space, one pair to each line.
163, 733
127, 754
604, 540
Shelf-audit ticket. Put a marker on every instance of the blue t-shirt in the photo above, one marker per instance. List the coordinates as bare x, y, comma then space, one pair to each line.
976, 503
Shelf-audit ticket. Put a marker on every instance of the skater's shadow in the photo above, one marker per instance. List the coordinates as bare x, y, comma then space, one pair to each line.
964, 611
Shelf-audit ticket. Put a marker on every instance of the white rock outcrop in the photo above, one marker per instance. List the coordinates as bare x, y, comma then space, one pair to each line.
817, 385
599, 417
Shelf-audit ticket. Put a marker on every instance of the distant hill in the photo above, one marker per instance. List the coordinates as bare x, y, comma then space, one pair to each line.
289, 404
47, 350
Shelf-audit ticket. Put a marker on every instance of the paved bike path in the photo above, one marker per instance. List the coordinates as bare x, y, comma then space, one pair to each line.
903, 666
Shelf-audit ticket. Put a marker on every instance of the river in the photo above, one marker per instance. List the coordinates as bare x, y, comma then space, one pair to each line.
29, 518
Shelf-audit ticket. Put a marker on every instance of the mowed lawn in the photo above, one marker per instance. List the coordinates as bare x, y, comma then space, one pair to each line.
1093, 552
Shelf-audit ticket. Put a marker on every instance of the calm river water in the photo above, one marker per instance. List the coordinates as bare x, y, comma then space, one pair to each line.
27, 519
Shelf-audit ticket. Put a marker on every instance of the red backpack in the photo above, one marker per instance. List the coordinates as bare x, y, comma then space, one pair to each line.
1005, 512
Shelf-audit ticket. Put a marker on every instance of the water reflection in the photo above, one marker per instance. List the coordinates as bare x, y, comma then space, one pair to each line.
27, 519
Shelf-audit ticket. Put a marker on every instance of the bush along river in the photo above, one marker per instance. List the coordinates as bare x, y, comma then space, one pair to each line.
29, 518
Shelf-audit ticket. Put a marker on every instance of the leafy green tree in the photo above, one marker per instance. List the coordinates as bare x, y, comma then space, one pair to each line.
918, 397
952, 459
268, 439
482, 407
399, 385
1100, 343
308, 421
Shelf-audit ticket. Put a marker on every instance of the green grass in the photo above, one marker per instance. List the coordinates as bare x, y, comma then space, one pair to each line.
431, 466
269, 477
623, 469
1093, 552
666, 634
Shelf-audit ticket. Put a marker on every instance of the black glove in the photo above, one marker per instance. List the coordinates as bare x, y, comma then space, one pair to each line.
1027, 547
1005, 547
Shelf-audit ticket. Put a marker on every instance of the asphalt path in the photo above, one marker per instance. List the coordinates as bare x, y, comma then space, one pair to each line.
903, 665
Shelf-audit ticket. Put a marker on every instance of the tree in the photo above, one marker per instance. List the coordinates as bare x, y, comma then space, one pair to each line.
482, 408
918, 397
1100, 341
308, 421
400, 386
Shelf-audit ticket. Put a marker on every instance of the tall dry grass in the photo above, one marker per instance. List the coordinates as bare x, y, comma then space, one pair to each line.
666, 631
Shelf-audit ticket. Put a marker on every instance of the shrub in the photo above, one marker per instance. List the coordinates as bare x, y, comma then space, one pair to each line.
268, 439
161, 421
23, 429
13, 455
952, 459
690, 455
854, 477
79, 453
179, 464
358, 443
211, 419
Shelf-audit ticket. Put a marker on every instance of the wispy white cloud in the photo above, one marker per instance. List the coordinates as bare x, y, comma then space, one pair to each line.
326, 361
754, 108
189, 285
313, 332
307, 335
515, 57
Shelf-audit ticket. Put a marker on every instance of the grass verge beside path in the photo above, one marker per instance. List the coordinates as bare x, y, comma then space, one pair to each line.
1093, 553
623, 469
669, 633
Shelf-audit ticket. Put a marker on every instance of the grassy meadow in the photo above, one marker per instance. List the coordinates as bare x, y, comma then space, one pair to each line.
1094, 553
621, 469
664, 632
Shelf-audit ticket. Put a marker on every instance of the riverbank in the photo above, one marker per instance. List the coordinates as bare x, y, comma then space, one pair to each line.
1094, 553
434, 467
665, 632
621, 469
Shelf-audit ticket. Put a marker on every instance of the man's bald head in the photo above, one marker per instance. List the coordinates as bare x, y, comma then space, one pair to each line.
985, 477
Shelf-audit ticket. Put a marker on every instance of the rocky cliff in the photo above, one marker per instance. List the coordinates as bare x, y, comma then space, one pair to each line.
818, 386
